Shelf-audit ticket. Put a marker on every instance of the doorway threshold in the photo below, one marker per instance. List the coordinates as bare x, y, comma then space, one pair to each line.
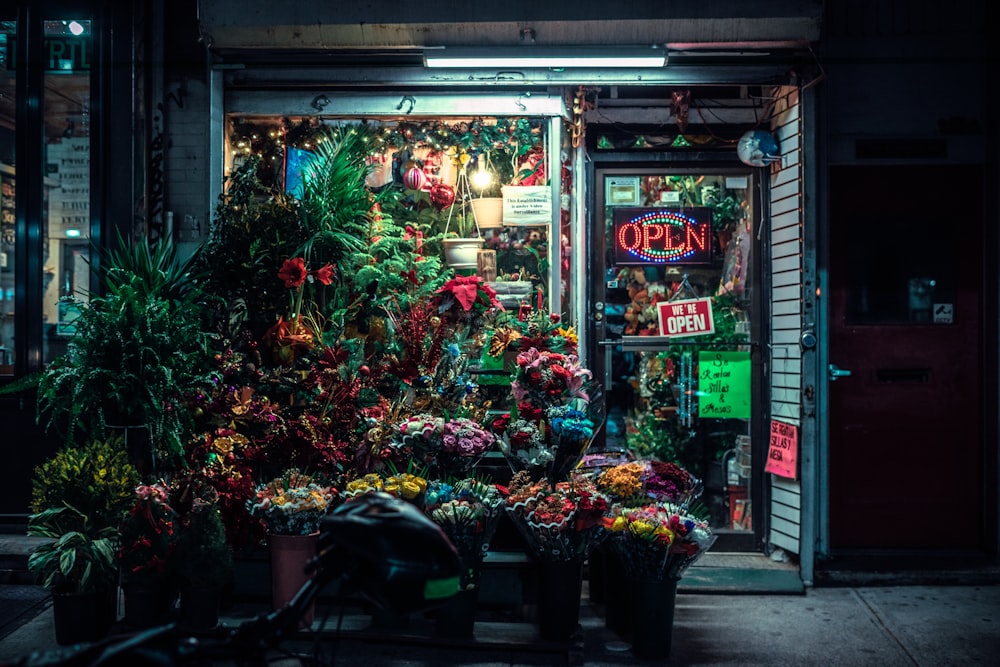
738, 572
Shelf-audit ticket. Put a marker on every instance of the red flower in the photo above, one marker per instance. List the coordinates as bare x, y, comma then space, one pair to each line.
499, 424
323, 274
529, 411
293, 272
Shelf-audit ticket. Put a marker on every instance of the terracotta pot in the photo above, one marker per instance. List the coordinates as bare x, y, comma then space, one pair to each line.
289, 555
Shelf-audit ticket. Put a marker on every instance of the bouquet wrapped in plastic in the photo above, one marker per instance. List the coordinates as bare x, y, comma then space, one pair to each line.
443, 447
561, 521
658, 541
292, 504
468, 512
557, 413
638, 482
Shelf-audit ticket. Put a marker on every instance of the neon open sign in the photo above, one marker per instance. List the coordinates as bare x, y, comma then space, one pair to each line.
663, 235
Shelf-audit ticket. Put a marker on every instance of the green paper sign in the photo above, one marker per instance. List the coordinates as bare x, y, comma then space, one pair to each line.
724, 385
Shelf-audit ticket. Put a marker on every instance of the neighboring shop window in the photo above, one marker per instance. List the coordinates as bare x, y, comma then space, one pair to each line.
677, 310
8, 192
66, 231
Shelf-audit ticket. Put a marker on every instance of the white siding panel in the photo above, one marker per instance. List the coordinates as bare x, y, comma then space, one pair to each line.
791, 366
787, 204
786, 293
789, 234
785, 491
785, 251
789, 189
787, 278
788, 263
786, 307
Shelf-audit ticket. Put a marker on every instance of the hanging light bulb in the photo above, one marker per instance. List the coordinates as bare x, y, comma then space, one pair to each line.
481, 179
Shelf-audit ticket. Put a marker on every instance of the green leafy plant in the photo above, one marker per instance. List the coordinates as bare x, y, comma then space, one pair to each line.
81, 556
138, 355
201, 555
96, 478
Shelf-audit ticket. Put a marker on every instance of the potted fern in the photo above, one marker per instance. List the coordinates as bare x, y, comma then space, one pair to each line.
140, 352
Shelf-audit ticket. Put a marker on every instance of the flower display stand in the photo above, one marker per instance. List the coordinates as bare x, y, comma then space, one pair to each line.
457, 619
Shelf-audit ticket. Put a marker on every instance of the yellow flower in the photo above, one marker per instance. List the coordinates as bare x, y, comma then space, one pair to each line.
410, 490
568, 333
642, 528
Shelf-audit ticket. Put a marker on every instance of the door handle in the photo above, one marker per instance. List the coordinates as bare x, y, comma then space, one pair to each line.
835, 372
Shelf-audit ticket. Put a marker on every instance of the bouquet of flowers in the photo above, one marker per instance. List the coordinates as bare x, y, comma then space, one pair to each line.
561, 522
447, 448
558, 410
292, 504
658, 541
468, 512
635, 483
147, 537
405, 485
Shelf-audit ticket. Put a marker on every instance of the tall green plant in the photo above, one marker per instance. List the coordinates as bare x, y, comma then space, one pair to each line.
138, 354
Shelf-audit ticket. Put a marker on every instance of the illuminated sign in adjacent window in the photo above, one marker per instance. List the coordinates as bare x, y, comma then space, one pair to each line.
663, 235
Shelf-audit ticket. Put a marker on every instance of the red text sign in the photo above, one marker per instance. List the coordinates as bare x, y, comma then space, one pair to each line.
691, 317
663, 236
783, 450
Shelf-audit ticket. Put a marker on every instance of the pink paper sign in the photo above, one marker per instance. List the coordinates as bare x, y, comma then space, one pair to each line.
784, 449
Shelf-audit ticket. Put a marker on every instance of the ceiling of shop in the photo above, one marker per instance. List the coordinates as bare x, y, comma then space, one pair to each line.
405, 28
380, 43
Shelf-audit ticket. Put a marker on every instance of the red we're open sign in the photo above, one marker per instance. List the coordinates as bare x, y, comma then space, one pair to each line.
690, 317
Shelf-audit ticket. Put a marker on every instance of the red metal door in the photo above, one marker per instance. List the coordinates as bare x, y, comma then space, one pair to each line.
906, 448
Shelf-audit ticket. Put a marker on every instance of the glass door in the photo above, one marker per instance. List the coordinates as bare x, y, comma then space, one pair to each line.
674, 324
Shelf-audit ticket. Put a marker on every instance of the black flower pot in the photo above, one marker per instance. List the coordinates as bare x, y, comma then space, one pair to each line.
147, 605
200, 606
83, 617
559, 591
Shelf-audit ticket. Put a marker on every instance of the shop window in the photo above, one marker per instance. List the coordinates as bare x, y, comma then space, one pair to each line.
484, 179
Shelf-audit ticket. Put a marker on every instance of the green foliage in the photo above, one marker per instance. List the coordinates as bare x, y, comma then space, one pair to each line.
137, 354
255, 230
95, 478
81, 557
201, 556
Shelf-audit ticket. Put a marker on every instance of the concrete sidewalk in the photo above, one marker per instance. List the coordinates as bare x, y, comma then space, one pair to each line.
877, 626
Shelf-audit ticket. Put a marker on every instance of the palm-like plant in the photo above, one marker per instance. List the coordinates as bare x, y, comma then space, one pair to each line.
138, 353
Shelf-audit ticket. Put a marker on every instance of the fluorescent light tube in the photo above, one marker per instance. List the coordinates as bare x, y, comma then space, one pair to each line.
551, 57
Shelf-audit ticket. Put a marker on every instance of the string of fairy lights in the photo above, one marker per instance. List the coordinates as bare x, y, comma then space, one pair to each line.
269, 139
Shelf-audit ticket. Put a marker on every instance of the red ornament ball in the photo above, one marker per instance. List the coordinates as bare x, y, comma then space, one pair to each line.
414, 178
442, 196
